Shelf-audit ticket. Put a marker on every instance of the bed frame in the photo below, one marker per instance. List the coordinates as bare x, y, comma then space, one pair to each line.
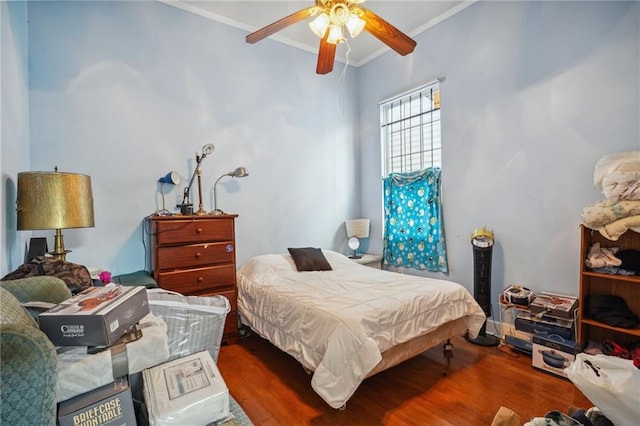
417, 345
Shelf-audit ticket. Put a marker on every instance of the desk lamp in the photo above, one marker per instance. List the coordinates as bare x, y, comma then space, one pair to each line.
171, 178
239, 172
54, 200
187, 206
356, 229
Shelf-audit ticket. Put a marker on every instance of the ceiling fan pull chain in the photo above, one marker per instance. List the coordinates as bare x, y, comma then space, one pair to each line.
343, 76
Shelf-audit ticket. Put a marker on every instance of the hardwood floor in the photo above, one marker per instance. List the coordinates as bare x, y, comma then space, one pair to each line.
467, 389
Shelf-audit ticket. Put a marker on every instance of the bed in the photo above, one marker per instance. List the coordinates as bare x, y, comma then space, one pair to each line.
350, 322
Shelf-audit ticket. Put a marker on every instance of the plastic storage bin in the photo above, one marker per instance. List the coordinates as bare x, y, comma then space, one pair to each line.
194, 323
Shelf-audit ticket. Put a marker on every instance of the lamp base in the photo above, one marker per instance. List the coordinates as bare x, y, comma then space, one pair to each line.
355, 256
59, 255
59, 251
216, 212
186, 209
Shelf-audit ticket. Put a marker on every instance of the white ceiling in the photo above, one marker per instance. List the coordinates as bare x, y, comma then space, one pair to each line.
411, 17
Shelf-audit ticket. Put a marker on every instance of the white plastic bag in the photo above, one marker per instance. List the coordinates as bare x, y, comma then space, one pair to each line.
612, 384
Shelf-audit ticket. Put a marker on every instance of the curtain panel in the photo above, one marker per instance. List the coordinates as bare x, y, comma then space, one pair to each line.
413, 228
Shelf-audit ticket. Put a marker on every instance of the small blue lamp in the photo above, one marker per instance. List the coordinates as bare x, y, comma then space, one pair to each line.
171, 178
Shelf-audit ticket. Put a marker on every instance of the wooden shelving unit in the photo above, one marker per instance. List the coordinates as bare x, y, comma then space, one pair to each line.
624, 286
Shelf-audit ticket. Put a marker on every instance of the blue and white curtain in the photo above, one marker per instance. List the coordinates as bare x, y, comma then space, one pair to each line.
413, 228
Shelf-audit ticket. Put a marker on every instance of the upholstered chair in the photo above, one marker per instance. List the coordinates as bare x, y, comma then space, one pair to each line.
28, 363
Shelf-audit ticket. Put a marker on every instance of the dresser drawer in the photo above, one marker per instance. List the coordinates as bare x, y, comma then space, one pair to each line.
231, 296
231, 325
200, 281
195, 255
193, 231
232, 316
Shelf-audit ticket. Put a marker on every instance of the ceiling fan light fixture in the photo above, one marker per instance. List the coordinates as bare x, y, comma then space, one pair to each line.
339, 14
329, 17
355, 25
320, 24
335, 35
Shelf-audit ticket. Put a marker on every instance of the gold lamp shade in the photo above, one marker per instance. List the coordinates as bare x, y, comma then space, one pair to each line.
54, 200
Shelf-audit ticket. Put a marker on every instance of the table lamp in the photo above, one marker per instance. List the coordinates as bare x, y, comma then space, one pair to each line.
239, 172
54, 200
356, 229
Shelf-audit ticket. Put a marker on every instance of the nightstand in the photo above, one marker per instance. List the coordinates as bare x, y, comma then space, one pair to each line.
371, 260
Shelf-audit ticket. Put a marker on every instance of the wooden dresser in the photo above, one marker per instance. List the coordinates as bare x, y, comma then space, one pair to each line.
196, 255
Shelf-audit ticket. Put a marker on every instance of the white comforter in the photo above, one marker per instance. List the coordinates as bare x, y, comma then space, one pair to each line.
617, 176
337, 323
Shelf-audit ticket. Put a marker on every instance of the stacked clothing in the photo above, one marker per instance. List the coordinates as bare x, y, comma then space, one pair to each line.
617, 176
612, 260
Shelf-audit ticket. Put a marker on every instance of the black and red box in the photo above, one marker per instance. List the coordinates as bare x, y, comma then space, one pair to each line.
108, 405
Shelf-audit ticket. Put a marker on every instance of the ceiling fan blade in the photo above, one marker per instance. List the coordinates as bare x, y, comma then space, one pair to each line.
280, 24
326, 56
387, 33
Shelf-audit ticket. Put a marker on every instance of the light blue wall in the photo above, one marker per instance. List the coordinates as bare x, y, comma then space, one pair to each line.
127, 91
14, 126
534, 94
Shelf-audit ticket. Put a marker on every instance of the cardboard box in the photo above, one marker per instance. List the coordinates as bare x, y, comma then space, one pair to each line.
109, 405
556, 305
519, 342
185, 391
517, 295
526, 322
98, 316
552, 354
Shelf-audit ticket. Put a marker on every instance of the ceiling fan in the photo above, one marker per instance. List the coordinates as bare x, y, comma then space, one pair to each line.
332, 16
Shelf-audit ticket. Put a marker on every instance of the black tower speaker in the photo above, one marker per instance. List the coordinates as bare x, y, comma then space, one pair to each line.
482, 242
482, 277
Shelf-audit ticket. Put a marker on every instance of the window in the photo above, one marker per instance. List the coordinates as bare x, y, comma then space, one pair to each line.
412, 152
410, 130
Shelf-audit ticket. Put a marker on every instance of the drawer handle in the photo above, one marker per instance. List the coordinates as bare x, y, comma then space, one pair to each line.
200, 280
198, 255
229, 248
199, 230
